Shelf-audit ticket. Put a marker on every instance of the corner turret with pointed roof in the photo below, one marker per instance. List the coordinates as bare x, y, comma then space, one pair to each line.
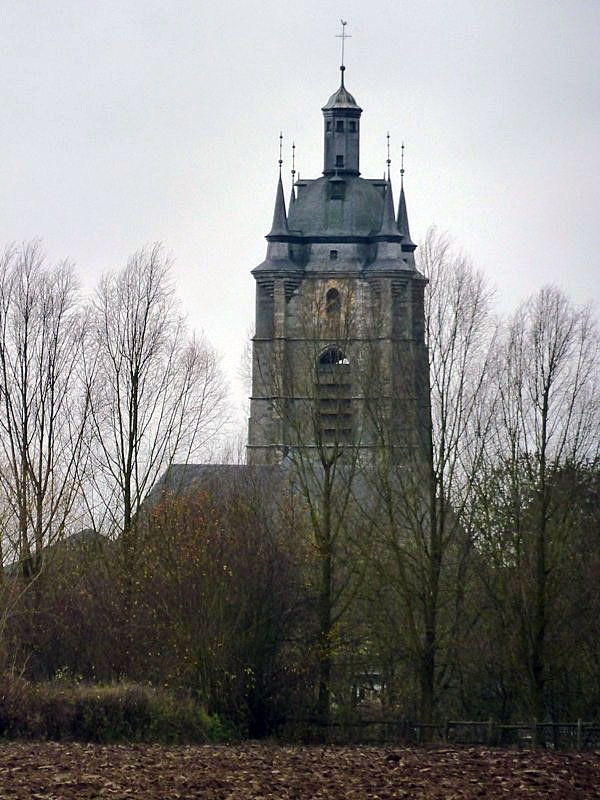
280, 224
408, 246
388, 238
278, 255
407, 243
389, 229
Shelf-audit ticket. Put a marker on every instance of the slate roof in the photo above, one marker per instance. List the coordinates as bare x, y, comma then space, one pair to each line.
315, 214
219, 478
341, 99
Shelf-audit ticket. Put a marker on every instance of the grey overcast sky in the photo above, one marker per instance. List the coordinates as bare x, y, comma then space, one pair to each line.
131, 122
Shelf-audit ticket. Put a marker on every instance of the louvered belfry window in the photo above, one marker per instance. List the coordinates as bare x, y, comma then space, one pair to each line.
334, 389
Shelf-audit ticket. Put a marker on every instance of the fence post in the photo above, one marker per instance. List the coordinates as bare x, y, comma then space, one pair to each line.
579, 734
446, 730
490, 730
534, 732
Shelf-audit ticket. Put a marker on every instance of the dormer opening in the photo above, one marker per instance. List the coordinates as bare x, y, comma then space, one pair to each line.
337, 189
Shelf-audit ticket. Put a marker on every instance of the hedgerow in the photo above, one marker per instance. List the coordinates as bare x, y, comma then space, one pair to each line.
68, 710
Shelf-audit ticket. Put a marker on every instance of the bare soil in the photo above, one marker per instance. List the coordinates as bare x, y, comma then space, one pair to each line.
52, 770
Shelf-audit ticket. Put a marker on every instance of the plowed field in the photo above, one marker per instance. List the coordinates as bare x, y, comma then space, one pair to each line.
82, 772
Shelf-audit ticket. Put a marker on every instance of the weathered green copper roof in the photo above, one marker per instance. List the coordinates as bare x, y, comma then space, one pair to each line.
315, 213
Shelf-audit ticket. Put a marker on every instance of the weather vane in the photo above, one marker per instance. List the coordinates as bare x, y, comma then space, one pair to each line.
343, 36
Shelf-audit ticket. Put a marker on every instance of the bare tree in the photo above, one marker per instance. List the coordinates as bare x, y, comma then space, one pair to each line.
158, 394
419, 567
548, 421
313, 380
460, 333
44, 400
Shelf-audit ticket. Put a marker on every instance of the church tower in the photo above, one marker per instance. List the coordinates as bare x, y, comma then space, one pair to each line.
339, 358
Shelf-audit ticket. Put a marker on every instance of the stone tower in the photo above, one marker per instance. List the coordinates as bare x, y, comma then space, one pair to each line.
339, 359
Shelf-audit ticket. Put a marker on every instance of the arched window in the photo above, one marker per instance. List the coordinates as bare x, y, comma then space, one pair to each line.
333, 357
334, 392
332, 298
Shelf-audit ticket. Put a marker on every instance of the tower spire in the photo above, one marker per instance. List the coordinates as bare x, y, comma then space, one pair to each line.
403, 222
389, 241
388, 221
408, 246
279, 226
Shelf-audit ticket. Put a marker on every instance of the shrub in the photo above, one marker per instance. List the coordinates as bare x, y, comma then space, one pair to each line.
63, 709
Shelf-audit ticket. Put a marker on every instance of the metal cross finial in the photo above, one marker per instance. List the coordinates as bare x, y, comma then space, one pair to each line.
389, 160
343, 36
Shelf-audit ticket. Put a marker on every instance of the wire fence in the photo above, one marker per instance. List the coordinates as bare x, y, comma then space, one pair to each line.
579, 735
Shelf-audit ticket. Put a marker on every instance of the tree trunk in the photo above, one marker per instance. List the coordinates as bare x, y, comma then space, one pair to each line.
325, 606
427, 683
325, 655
